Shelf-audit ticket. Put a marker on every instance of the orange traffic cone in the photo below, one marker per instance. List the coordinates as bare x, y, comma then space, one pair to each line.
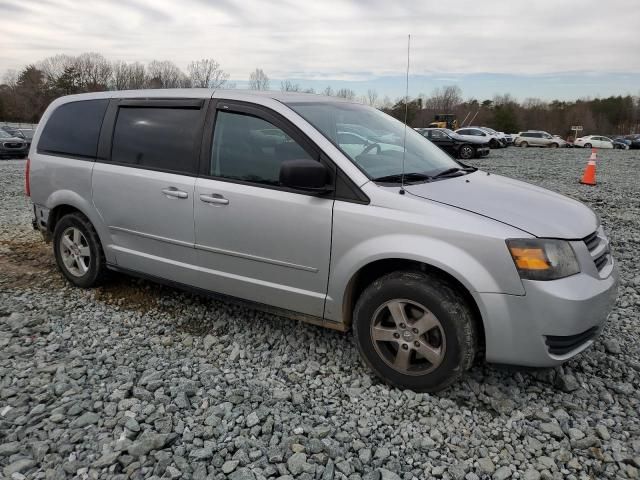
589, 175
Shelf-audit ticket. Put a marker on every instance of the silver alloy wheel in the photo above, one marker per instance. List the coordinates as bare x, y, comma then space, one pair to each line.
75, 252
408, 337
466, 152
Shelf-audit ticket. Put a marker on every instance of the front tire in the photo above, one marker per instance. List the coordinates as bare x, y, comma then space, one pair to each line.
467, 152
415, 331
554, 145
524, 144
587, 145
78, 251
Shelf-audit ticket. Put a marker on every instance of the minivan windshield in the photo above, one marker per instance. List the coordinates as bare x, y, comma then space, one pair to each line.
373, 140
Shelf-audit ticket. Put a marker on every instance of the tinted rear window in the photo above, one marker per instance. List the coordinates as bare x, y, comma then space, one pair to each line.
74, 128
158, 138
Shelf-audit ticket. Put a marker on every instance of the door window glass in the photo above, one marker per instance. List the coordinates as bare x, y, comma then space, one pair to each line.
158, 138
251, 149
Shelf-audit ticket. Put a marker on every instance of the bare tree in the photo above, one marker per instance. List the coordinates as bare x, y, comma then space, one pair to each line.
54, 67
207, 73
372, 97
289, 86
94, 71
165, 74
386, 102
10, 78
137, 76
328, 91
346, 93
127, 76
309, 90
258, 80
444, 100
119, 75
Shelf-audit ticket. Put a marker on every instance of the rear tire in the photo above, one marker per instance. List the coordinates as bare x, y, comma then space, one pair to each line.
415, 331
467, 152
78, 251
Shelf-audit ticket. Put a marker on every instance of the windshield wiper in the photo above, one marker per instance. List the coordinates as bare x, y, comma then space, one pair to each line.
408, 177
450, 171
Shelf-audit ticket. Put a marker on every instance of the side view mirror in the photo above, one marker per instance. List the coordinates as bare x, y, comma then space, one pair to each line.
307, 175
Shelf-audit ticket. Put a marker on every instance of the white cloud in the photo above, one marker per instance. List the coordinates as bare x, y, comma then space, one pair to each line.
332, 39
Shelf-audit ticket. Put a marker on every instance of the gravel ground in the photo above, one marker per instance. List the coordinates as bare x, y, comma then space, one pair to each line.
134, 380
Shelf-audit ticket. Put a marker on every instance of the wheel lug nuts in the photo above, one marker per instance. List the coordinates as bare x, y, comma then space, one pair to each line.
405, 346
416, 343
396, 335
415, 330
402, 325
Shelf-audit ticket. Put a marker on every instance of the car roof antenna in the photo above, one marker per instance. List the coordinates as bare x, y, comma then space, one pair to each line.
406, 115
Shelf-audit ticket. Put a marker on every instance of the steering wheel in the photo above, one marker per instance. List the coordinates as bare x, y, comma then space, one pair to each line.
369, 147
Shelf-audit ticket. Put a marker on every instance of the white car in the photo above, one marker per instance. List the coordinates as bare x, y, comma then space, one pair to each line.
503, 137
593, 141
475, 133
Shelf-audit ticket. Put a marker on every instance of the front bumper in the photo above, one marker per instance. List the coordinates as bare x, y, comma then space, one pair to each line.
553, 321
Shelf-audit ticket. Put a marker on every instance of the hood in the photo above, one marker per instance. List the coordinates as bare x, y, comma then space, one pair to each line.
12, 140
537, 211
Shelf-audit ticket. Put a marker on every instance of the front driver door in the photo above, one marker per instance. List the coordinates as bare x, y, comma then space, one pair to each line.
255, 239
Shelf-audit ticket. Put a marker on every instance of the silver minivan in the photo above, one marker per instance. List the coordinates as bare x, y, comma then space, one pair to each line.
320, 209
537, 138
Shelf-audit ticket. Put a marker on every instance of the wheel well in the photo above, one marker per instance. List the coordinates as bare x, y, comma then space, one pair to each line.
371, 272
57, 213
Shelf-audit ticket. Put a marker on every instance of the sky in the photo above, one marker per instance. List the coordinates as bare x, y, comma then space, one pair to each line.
547, 49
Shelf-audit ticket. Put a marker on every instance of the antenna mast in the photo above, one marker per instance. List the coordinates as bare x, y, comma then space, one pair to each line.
406, 115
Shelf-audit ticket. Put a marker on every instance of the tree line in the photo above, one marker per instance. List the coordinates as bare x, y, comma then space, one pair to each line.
25, 94
614, 115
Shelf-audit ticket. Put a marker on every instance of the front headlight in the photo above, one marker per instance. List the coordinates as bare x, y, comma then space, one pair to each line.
543, 259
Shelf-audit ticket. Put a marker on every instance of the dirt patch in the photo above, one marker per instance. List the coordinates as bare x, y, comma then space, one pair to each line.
28, 262
132, 294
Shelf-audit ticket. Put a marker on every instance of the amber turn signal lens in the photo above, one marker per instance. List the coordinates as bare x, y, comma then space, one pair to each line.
543, 258
530, 258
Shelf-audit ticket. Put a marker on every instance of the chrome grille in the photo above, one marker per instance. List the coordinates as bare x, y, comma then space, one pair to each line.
13, 145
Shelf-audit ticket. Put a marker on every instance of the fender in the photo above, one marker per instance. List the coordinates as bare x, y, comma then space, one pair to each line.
73, 199
448, 257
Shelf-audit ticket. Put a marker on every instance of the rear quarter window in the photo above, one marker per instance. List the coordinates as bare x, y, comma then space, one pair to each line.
73, 129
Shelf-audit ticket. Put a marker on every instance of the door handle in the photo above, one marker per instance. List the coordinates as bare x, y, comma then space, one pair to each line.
214, 198
173, 192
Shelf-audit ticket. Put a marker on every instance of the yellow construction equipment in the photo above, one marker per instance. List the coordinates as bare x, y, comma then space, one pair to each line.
444, 120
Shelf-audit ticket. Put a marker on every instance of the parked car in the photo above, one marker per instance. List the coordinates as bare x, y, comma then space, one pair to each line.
595, 141
14, 132
12, 147
27, 134
474, 133
502, 137
635, 141
621, 143
537, 138
454, 144
428, 261
563, 143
